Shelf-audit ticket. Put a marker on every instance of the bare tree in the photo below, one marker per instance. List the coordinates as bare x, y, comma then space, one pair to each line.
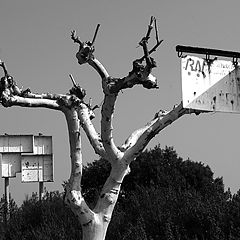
80, 114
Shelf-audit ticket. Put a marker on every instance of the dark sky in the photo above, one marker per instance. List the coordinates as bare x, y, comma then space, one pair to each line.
36, 46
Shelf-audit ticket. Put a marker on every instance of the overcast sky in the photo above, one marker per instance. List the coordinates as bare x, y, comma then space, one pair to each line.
36, 47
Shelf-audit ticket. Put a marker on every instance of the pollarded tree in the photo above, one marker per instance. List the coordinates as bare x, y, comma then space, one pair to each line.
79, 114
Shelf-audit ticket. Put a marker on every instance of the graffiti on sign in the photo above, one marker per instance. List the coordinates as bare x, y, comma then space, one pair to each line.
210, 85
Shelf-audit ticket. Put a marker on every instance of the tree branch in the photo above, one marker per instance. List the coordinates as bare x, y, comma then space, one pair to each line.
76, 89
95, 34
73, 195
75, 38
111, 189
133, 138
140, 74
85, 54
144, 41
140, 138
93, 62
9, 101
2, 64
106, 127
75, 147
94, 138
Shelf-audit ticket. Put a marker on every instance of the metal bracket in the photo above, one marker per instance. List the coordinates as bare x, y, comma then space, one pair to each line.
180, 54
213, 52
235, 61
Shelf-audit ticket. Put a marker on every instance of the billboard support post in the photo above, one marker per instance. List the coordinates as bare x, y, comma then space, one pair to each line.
7, 199
40, 191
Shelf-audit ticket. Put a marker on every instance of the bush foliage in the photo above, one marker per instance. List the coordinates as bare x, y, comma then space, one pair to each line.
164, 197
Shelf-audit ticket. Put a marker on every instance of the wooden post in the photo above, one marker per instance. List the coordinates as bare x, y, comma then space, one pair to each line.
40, 191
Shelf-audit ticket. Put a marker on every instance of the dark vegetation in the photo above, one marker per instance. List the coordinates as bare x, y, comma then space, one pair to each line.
163, 198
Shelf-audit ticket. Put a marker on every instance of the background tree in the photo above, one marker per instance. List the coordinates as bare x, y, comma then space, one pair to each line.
42, 220
169, 205
170, 199
79, 114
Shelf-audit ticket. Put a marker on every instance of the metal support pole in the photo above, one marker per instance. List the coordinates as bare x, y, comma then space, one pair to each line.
7, 189
40, 191
7, 198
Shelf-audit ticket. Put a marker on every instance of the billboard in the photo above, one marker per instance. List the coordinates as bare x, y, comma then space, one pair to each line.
16, 143
11, 164
42, 145
212, 85
37, 168
31, 155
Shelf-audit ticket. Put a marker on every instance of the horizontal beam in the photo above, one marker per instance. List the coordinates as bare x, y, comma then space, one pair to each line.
207, 51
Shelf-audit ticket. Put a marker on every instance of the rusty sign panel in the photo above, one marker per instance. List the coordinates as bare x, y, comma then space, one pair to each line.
11, 164
16, 143
37, 168
42, 144
210, 86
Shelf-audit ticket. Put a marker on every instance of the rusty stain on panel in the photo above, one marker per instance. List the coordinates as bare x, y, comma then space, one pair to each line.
219, 91
37, 168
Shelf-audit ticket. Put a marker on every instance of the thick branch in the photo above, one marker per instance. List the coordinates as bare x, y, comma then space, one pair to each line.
111, 190
9, 101
85, 55
73, 195
133, 138
140, 138
12, 95
87, 218
75, 147
99, 68
106, 127
139, 75
93, 136
48, 96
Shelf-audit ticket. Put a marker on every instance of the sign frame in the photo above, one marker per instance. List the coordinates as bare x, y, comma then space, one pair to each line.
210, 86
